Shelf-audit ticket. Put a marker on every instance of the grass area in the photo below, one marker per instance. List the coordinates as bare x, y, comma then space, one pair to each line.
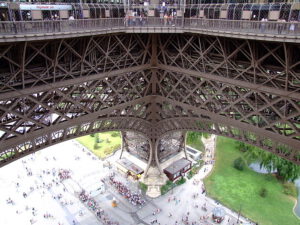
109, 142
236, 189
196, 143
6, 156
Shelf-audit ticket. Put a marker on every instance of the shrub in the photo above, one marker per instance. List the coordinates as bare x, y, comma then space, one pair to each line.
115, 134
239, 164
200, 163
263, 192
165, 188
181, 181
190, 174
98, 140
96, 146
290, 189
107, 151
169, 183
243, 147
116, 147
92, 135
195, 169
143, 186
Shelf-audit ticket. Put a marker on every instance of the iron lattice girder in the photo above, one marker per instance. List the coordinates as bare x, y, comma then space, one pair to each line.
268, 64
30, 64
56, 90
170, 144
268, 111
136, 144
38, 141
188, 117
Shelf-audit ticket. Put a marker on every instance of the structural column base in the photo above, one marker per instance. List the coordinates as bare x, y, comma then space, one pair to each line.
154, 180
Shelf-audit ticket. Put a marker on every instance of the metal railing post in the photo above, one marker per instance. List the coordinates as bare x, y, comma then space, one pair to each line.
242, 26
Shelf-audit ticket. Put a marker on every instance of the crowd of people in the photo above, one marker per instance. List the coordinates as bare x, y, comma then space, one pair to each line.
133, 197
50, 178
95, 208
44, 180
64, 174
164, 17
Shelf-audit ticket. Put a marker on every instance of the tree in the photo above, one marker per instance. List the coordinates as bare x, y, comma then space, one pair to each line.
243, 147
192, 136
96, 146
263, 192
239, 164
286, 170
98, 140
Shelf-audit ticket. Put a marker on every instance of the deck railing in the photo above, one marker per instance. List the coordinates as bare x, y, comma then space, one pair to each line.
186, 24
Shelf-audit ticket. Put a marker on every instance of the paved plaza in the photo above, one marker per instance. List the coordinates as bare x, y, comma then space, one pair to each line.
33, 192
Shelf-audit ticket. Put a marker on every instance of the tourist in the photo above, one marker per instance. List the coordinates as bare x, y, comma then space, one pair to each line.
263, 25
281, 25
292, 27
133, 197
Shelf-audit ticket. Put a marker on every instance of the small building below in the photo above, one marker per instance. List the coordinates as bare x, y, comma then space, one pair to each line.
193, 153
218, 214
178, 169
129, 168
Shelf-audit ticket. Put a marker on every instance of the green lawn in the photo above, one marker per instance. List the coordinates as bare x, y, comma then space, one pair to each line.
197, 144
236, 189
107, 145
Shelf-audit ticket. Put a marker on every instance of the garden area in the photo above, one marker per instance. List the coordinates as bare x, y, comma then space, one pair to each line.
193, 139
195, 169
170, 185
263, 198
102, 144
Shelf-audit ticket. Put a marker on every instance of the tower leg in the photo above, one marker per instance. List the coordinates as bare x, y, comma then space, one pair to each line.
154, 178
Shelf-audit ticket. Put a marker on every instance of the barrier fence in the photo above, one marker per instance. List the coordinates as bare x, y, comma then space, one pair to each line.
186, 24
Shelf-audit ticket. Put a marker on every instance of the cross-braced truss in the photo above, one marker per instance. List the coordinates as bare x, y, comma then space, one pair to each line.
136, 144
170, 144
155, 85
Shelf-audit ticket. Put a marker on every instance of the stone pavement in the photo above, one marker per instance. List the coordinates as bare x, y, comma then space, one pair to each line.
71, 155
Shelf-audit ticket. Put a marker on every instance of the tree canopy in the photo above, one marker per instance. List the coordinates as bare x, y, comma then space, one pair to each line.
286, 170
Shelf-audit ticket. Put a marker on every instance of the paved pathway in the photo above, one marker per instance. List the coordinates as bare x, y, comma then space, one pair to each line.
71, 155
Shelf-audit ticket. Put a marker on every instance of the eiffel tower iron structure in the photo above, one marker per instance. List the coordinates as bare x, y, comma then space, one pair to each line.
153, 87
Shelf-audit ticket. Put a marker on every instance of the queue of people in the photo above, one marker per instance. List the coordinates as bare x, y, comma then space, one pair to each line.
134, 198
94, 207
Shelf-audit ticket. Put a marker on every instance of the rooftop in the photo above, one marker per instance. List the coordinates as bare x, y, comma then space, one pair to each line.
130, 166
177, 165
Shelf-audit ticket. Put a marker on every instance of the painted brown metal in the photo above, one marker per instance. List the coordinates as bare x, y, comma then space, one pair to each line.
156, 85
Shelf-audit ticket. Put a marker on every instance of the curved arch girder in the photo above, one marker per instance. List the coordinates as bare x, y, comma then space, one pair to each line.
240, 86
208, 126
270, 112
46, 139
